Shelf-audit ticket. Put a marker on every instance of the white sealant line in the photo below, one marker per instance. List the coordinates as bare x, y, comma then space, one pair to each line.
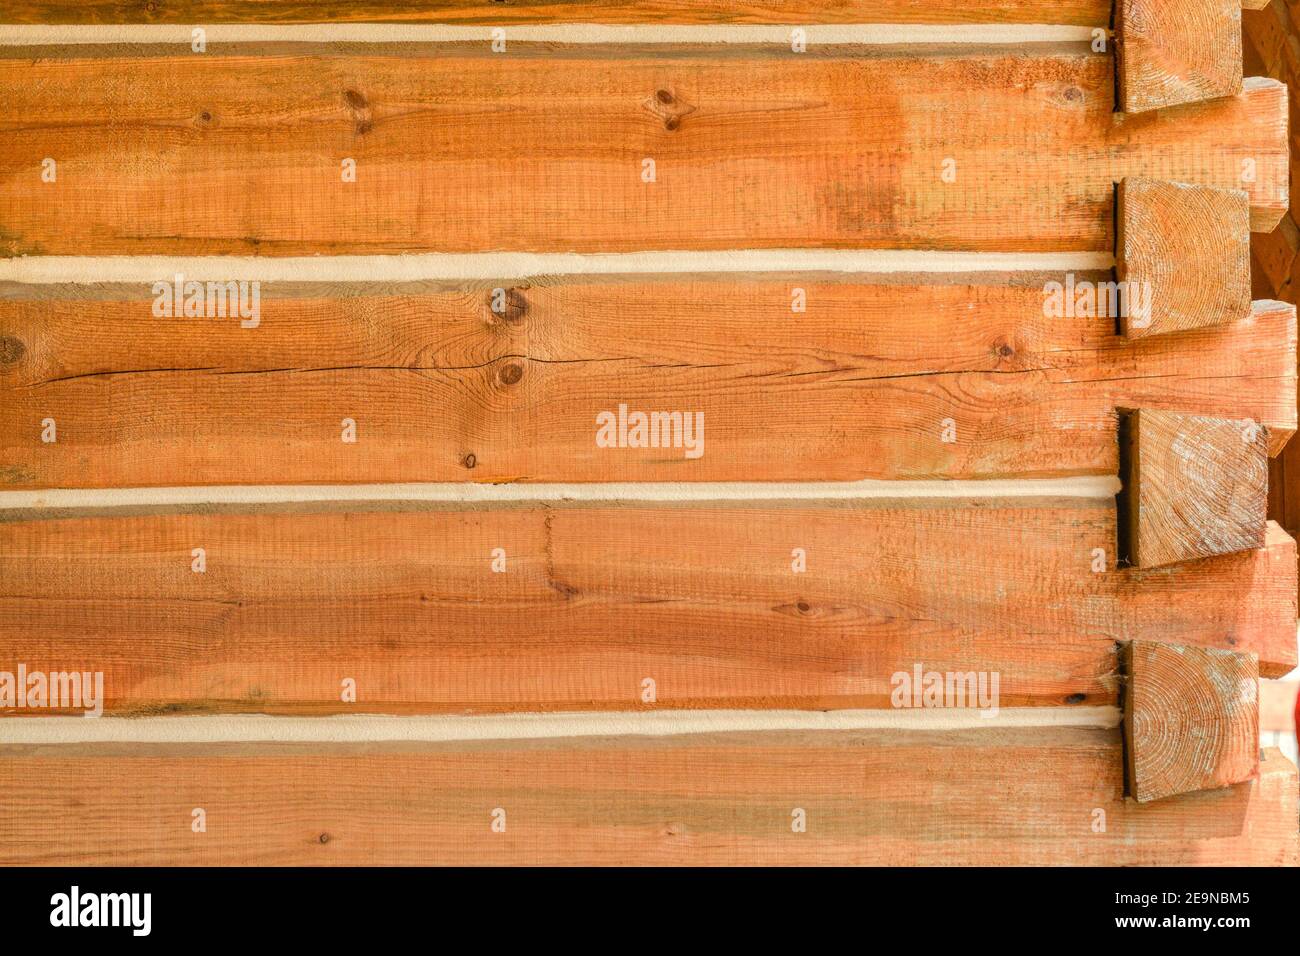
1088, 487
577, 33
506, 265
259, 728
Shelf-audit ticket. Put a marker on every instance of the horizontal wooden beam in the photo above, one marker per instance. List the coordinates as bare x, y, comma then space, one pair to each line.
1092, 13
798, 377
582, 604
491, 12
1034, 796
596, 148
1183, 255
1191, 718
1194, 486
1177, 51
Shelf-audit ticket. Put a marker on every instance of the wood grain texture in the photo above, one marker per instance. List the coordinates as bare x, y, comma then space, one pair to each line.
702, 599
1191, 719
993, 797
1271, 44
1193, 486
491, 12
857, 386
1184, 255
239, 150
1177, 51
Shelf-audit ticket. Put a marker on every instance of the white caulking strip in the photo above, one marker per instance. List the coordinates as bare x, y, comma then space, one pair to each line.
578, 33
1088, 487
510, 265
252, 728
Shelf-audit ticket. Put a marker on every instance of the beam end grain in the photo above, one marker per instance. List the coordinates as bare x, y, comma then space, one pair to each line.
1194, 486
1183, 256
1177, 51
1191, 719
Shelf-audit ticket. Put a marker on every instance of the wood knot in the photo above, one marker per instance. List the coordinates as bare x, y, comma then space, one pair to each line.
469, 461
803, 607
11, 349
1004, 350
675, 833
324, 838
669, 107
360, 107
507, 305
511, 373
205, 118
1073, 93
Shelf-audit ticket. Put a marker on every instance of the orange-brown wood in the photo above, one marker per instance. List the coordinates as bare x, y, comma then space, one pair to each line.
241, 149
1277, 705
1191, 718
490, 12
879, 377
1032, 796
1194, 486
1270, 39
1183, 256
703, 599
1177, 51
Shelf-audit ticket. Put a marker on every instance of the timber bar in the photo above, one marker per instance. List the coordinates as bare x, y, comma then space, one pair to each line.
688, 433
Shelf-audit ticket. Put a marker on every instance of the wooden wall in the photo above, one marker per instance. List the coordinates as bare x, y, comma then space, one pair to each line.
364, 585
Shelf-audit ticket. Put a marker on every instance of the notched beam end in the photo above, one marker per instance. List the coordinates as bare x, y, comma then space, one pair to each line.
1194, 486
1264, 170
1183, 256
1177, 51
1279, 653
1278, 438
1284, 421
1191, 719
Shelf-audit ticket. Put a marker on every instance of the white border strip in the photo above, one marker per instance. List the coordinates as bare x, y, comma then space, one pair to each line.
507, 265
584, 33
259, 728
1088, 487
